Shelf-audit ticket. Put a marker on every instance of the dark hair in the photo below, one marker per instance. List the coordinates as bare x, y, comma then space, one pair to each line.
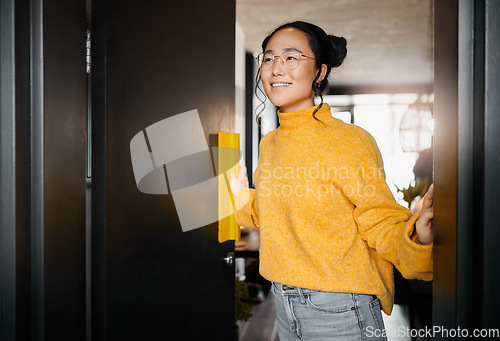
328, 49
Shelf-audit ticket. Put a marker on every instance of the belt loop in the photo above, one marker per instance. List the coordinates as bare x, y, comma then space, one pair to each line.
301, 295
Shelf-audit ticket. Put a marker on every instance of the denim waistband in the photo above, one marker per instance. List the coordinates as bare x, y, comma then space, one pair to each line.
287, 289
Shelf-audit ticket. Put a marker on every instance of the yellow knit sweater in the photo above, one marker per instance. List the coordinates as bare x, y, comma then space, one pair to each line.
327, 219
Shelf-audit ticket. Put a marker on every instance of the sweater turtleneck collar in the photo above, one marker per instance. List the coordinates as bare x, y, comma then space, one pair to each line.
304, 118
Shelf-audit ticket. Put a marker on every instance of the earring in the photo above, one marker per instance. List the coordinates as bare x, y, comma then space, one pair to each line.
318, 84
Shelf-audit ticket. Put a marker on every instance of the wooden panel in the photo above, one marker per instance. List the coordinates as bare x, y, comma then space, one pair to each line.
7, 173
64, 169
162, 59
491, 281
23, 173
445, 161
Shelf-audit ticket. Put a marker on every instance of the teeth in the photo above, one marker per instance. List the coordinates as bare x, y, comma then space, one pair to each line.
279, 84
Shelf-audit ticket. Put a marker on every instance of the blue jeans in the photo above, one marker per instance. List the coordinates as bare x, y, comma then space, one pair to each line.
314, 315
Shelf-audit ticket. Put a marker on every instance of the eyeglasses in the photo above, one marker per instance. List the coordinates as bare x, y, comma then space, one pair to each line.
290, 60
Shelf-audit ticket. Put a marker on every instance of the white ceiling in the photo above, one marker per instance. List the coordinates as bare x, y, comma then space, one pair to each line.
389, 41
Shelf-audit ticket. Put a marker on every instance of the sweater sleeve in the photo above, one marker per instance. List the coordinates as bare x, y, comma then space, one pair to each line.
246, 208
384, 224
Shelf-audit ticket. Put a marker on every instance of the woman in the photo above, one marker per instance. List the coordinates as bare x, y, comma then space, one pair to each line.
330, 228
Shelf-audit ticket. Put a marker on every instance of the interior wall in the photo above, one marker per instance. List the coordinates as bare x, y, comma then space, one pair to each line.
466, 161
445, 162
43, 156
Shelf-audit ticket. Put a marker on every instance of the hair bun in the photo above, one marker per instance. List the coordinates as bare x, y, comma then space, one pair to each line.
339, 50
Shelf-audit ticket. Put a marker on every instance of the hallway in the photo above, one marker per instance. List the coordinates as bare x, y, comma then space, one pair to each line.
85, 255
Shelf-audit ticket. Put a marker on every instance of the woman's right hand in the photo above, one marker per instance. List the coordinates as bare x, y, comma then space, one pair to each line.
423, 225
240, 182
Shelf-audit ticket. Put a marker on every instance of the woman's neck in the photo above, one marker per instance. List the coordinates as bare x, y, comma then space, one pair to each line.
304, 118
297, 106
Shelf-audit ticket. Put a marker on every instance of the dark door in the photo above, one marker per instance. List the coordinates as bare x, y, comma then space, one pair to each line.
466, 163
152, 60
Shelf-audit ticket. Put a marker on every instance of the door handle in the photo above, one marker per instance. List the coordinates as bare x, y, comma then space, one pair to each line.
229, 259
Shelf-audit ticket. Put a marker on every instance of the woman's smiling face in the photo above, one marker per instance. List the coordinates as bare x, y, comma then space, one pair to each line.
291, 90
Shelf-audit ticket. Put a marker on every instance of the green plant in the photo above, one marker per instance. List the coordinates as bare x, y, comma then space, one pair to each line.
242, 310
412, 192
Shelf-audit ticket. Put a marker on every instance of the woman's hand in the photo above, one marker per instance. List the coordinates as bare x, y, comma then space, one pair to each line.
240, 182
423, 225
